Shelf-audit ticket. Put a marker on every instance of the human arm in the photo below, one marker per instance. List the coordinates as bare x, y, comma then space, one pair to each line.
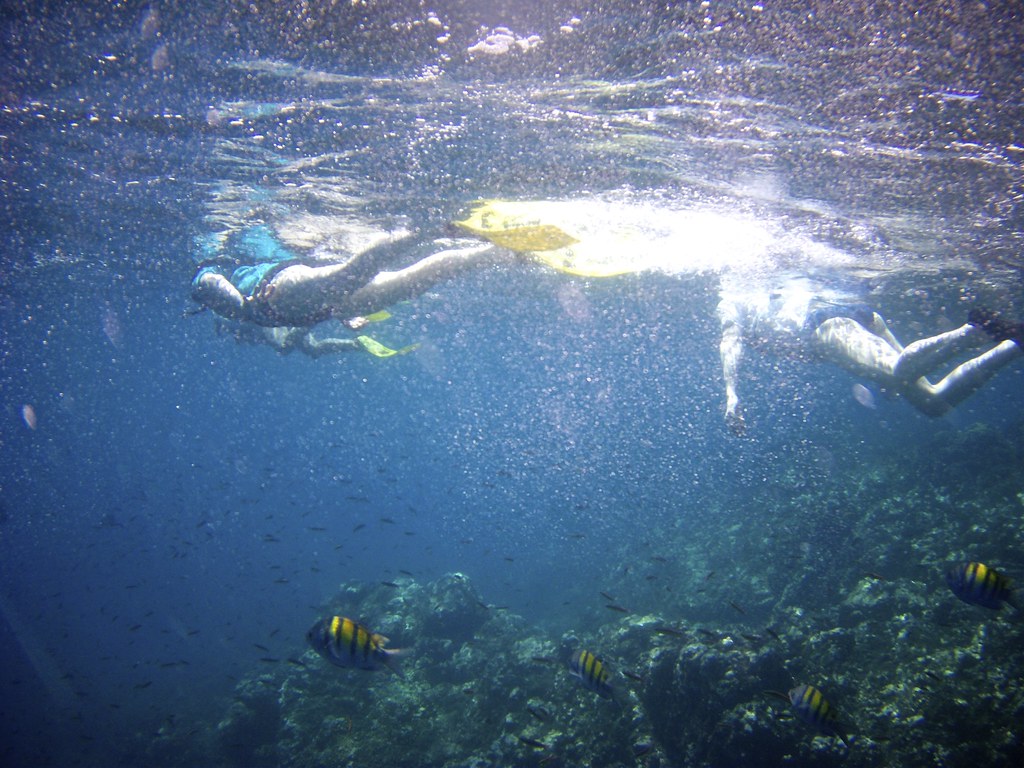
287, 338
731, 352
314, 347
213, 290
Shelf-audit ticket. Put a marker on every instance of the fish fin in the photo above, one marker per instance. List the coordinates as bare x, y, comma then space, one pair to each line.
381, 639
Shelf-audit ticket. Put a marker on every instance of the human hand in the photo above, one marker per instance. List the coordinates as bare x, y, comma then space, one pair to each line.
355, 323
735, 421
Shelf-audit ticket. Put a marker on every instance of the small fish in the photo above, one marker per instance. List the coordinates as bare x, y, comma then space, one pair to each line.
358, 527
978, 584
391, 584
863, 396
874, 576
543, 659
633, 676
592, 673
539, 712
28, 415
607, 597
388, 521
532, 742
617, 608
814, 709
345, 643
669, 631
737, 608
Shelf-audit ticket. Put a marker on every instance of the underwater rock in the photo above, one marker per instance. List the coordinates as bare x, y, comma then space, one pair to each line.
699, 696
454, 609
247, 735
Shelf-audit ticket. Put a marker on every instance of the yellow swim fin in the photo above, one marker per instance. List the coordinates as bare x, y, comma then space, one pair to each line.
377, 349
498, 222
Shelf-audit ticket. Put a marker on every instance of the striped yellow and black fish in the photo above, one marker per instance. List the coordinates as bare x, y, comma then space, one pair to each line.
814, 709
592, 672
978, 584
347, 644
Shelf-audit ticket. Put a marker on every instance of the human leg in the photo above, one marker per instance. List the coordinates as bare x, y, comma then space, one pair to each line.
388, 288
968, 377
922, 356
864, 352
850, 345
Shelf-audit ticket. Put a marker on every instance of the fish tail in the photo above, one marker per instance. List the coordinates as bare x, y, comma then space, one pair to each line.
1013, 601
391, 657
617, 697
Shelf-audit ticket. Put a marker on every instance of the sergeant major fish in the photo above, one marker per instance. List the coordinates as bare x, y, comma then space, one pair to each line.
592, 672
345, 643
978, 584
814, 709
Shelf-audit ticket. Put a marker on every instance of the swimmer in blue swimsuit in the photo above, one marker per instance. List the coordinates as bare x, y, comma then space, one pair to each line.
255, 280
837, 328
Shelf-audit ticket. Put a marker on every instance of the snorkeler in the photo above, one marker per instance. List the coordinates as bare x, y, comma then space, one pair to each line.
257, 280
286, 339
797, 317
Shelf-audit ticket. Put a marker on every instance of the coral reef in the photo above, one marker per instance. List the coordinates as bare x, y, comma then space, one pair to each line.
854, 604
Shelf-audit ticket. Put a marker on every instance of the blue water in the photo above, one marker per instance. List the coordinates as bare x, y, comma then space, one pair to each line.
166, 506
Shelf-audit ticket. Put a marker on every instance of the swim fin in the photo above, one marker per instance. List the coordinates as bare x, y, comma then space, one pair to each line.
377, 349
